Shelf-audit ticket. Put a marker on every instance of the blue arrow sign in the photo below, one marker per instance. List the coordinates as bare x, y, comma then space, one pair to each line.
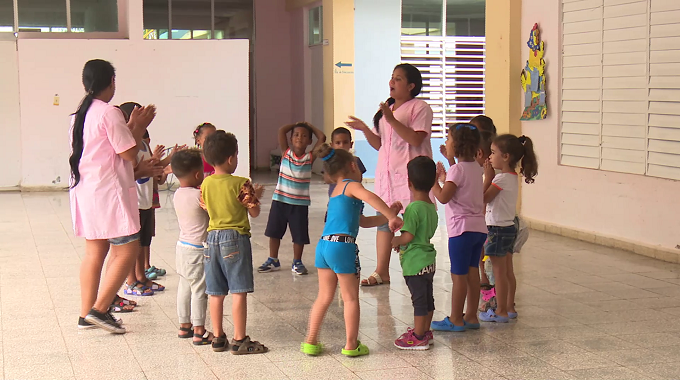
340, 64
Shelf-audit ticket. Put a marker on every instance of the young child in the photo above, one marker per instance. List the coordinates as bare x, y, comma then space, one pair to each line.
229, 258
341, 138
151, 272
200, 134
192, 301
464, 198
500, 192
137, 283
485, 125
416, 254
290, 202
336, 253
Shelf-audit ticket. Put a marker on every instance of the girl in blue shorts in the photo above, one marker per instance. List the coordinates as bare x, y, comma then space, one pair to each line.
463, 195
337, 257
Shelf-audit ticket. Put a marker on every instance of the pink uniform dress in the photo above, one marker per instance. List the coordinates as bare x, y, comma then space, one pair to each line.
104, 203
391, 176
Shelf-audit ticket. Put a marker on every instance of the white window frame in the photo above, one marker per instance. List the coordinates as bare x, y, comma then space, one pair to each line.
122, 32
627, 117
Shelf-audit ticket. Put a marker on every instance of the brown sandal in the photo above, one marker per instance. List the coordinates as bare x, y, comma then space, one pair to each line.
220, 343
247, 346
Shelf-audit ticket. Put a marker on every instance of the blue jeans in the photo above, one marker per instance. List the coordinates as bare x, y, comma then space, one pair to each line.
228, 263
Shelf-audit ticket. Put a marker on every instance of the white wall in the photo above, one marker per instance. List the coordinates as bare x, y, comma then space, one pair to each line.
377, 49
624, 206
10, 133
190, 82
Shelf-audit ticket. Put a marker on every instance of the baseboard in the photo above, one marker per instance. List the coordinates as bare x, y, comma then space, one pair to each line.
661, 253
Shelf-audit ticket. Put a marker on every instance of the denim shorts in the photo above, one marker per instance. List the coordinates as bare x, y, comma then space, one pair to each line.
124, 239
228, 263
500, 241
464, 251
341, 258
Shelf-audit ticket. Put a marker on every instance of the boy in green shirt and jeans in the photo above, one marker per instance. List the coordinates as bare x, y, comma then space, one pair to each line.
416, 254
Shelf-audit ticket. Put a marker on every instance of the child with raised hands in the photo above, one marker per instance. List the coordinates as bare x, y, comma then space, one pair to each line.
500, 193
463, 195
337, 257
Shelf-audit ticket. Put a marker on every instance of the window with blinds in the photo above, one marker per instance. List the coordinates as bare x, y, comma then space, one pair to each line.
621, 86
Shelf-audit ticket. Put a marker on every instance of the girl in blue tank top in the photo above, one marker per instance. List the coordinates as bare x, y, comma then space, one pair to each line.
337, 257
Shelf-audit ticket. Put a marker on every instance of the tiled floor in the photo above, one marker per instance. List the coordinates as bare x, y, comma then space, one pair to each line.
586, 312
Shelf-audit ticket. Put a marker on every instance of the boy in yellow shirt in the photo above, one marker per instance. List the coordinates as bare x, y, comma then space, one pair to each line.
229, 258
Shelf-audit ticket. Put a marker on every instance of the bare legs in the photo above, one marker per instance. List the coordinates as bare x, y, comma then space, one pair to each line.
217, 314
465, 286
275, 244
120, 263
383, 242
349, 287
500, 273
512, 285
90, 273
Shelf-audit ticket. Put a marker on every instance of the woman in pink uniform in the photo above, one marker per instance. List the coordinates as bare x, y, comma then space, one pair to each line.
103, 196
402, 129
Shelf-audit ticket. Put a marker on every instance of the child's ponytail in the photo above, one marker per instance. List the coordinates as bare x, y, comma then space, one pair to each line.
334, 160
521, 150
529, 162
97, 76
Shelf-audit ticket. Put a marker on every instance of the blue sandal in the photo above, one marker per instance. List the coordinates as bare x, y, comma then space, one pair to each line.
138, 289
159, 271
490, 316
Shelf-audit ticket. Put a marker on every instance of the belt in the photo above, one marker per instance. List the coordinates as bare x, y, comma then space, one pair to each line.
340, 239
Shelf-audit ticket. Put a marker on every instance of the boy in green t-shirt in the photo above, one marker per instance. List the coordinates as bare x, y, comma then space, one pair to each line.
416, 254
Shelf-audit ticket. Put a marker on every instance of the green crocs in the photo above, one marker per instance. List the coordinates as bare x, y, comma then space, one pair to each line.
361, 350
311, 349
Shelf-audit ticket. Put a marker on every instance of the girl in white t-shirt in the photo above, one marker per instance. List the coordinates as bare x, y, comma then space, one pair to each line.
500, 194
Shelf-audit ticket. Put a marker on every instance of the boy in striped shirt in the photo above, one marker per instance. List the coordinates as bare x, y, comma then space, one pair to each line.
290, 202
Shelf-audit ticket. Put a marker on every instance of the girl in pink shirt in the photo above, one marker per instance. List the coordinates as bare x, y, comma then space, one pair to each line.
463, 195
103, 196
402, 129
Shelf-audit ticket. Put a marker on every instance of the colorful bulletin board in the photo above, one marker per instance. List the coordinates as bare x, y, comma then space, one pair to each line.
533, 79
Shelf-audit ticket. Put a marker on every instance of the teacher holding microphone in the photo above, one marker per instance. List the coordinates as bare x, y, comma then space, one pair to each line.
401, 131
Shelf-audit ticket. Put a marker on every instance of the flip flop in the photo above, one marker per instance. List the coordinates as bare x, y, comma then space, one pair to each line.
376, 277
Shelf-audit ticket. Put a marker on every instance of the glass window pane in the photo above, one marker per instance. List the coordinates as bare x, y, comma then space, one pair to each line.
421, 18
190, 15
315, 25
6, 16
465, 18
234, 19
181, 34
156, 19
94, 15
200, 34
41, 16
